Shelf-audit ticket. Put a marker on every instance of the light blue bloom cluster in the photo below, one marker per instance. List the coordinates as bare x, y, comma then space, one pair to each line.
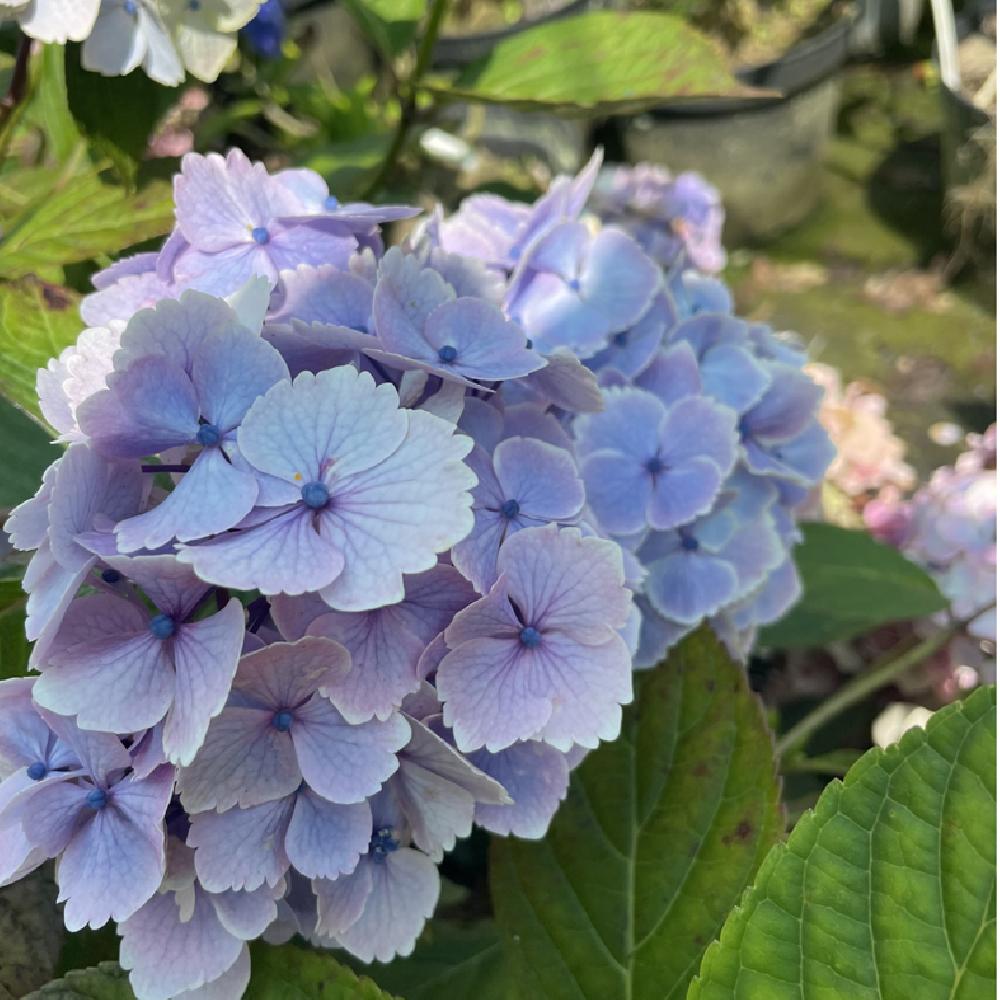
352, 548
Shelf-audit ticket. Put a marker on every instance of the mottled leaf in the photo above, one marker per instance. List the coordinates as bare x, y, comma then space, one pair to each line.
887, 889
851, 584
659, 835
601, 61
31, 933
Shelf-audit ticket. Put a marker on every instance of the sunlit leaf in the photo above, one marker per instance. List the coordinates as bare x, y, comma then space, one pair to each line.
601, 61
887, 889
659, 835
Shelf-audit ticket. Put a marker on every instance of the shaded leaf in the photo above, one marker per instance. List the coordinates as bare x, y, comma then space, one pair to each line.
851, 584
453, 961
31, 933
601, 61
37, 320
26, 450
139, 103
81, 219
106, 981
658, 837
887, 889
290, 972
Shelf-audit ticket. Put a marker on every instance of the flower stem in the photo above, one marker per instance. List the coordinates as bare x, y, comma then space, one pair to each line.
408, 96
861, 686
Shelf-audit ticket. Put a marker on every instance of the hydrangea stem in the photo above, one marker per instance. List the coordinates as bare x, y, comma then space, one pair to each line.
408, 101
863, 685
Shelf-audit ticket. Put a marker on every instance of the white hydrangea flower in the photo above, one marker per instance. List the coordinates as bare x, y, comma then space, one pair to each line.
129, 34
52, 20
205, 32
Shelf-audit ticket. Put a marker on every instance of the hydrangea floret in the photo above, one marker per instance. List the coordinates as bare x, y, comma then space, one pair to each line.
353, 548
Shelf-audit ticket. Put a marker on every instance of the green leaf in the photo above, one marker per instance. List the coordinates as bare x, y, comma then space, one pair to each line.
138, 104
451, 960
37, 320
25, 452
80, 219
599, 62
105, 981
851, 584
887, 889
659, 835
390, 24
291, 972
31, 933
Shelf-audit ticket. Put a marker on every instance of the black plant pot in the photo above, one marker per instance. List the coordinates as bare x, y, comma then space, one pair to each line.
764, 154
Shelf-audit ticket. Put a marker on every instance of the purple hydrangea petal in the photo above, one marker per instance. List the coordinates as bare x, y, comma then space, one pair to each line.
107, 668
384, 657
405, 888
166, 955
210, 497
205, 656
687, 587
619, 491
536, 777
394, 518
325, 840
282, 554
543, 567
333, 424
115, 861
345, 763
241, 848
244, 761
150, 407
542, 478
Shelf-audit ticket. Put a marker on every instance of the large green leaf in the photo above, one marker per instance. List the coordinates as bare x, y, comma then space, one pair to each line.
31, 933
80, 219
659, 835
601, 61
851, 584
105, 981
887, 890
37, 320
290, 972
453, 961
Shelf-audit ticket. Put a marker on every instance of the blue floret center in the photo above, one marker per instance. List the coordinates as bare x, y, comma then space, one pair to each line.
260, 235
530, 637
209, 435
447, 354
37, 771
689, 543
97, 798
510, 509
315, 495
282, 721
384, 841
162, 626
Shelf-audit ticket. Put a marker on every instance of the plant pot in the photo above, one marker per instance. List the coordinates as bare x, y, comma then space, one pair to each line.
557, 141
766, 154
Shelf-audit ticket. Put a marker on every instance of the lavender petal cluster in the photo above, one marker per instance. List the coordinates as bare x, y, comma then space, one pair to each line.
707, 439
320, 503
